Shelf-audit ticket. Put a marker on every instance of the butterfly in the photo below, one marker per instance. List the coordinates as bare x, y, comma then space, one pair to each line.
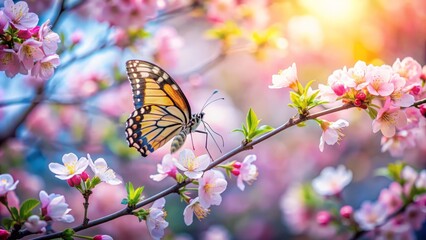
162, 111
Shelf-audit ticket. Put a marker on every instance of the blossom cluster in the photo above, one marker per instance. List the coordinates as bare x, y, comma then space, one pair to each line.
386, 92
123, 14
398, 211
25, 47
211, 183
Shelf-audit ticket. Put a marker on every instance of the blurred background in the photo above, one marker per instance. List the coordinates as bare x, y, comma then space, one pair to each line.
233, 46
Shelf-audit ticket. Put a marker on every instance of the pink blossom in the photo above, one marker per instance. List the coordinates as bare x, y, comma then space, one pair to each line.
211, 185
409, 69
415, 216
48, 38
331, 181
194, 207
44, 68
332, 132
9, 62
340, 81
324, 218
19, 16
357, 73
4, 235
76, 37
346, 211
391, 197
35, 225
193, 166
286, 78
167, 44
247, 172
295, 212
398, 143
421, 180
399, 97
7, 184
370, 215
327, 93
55, 208
218, 11
126, 14
121, 38
42, 122
388, 118
12, 200
165, 169
30, 51
155, 221
379, 80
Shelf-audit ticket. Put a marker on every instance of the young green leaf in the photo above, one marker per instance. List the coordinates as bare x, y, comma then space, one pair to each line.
27, 207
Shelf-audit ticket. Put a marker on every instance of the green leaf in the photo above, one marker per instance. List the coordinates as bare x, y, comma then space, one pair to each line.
125, 201
129, 188
372, 112
395, 170
7, 223
252, 120
15, 213
27, 207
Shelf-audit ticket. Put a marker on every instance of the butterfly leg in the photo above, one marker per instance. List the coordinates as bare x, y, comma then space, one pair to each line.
205, 146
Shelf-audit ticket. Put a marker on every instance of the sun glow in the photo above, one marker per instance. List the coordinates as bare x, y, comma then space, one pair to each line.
337, 11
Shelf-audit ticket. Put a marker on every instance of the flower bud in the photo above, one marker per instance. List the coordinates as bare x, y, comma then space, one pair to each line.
74, 181
323, 218
361, 96
235, 172
357, 103
423, 110
236, 165
84, 175
415, 90
4, 234
102, 237
76, 37
70, 182
346, 211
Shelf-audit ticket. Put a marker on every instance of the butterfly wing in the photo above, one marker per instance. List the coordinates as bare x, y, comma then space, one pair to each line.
162, 109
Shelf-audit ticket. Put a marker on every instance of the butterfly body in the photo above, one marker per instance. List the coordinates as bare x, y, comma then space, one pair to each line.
162, 111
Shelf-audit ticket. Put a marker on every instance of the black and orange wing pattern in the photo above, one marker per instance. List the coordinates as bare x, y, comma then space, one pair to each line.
161, 108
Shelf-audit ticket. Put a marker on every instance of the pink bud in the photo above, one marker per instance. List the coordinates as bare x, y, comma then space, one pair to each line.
235, 172
423, 110
70, 182
339, 89
4, 234
357, 103
24, 34
102, 237
323, 218
76, 37
236, 165
346, 211
361, 96
172, 173
84, 176
415, 90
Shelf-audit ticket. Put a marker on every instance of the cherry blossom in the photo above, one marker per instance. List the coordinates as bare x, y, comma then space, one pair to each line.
10, 63
409, 69
18, 14
165, 169
48, 38
370, 215
100, 169
379, 80
30, 51
211, 185
7, 184
421, 180
331, 181
332, 132
44, 68
155, 220
167, 43
54, 207
248, 172
286, 78
35, 225
72, 166
193, 166
388, 118
194, 207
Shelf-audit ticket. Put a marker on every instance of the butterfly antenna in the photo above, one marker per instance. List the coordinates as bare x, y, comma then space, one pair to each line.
208, 102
